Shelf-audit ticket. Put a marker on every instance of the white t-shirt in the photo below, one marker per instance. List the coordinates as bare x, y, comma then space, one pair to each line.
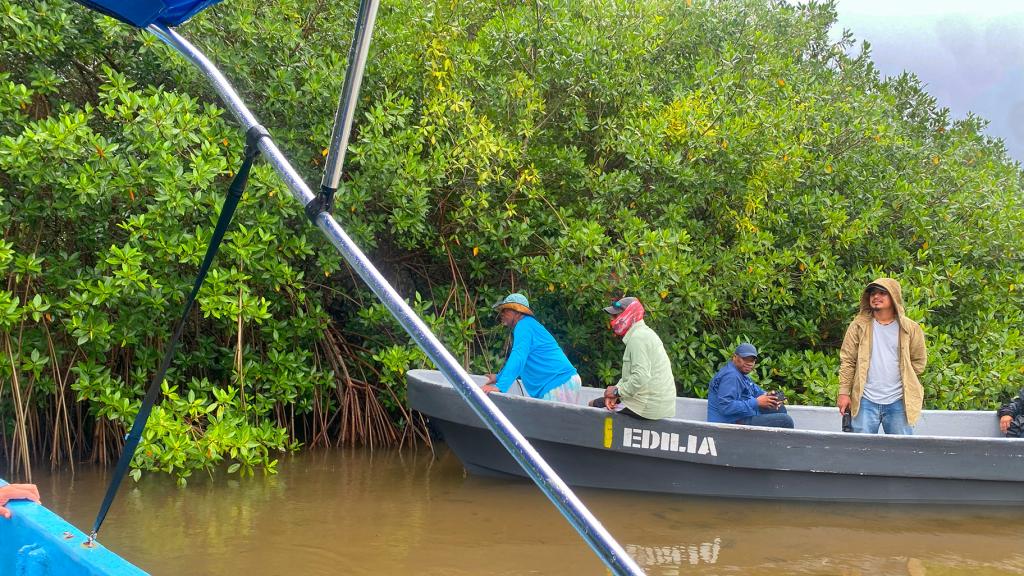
884, 385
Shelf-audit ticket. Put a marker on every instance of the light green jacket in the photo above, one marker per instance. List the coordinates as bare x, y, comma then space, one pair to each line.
647, 386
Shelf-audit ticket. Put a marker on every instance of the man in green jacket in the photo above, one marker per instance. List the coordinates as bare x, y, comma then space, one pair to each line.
647, 389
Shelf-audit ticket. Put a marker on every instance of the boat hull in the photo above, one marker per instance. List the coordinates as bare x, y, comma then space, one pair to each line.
594, 448
37, 542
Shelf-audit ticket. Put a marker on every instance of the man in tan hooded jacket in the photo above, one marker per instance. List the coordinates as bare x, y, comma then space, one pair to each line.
882, 355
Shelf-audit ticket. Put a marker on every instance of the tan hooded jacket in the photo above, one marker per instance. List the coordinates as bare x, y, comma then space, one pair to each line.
855, 354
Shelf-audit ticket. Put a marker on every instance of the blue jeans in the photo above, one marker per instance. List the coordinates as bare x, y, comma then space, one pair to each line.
891, 417
770, 418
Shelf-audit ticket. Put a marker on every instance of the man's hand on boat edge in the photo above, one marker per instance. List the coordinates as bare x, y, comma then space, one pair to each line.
16, 492
1004, 423
489, 384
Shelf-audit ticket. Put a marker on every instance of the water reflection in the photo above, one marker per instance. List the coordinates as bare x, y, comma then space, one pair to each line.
707, 536
675, 556
356, 512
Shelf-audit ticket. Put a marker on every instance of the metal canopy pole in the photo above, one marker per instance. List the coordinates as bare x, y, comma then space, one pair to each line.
349, 95
607, 549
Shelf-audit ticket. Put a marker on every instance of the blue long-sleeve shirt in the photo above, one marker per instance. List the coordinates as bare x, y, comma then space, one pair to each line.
732, 396
536, 359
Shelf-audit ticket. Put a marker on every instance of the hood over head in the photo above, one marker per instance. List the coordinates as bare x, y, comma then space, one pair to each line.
892, 287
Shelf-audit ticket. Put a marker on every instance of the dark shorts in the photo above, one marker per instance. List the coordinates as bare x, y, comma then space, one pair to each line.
599, 403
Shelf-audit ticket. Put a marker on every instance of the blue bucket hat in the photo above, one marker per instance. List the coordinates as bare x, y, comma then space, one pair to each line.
514, 301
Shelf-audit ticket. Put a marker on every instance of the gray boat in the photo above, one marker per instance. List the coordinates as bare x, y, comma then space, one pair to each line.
954, 456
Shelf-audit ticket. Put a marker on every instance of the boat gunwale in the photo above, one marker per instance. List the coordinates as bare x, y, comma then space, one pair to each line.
582, 408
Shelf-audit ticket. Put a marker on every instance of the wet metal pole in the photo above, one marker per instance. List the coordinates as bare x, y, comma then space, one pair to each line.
349, 95
610, 552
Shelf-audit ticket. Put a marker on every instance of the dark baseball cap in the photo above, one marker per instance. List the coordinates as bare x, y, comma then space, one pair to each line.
876, 287
745, 350
620, 305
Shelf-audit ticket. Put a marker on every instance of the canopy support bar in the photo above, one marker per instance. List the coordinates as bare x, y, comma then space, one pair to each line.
607, 549
349, 94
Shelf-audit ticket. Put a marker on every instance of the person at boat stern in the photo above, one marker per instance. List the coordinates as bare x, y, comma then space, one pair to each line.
1011, 417
880, 360
536, 359
647, 389
733, 398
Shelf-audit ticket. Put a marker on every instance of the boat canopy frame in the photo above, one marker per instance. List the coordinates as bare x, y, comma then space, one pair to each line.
158, 17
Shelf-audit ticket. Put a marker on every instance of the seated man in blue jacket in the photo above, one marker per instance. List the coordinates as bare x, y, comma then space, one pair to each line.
536, 358
735, 399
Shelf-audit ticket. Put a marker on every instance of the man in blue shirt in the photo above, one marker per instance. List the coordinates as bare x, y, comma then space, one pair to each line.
536, 359
733, 397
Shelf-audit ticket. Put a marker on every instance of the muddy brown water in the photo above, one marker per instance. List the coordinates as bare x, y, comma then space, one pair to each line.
388, 512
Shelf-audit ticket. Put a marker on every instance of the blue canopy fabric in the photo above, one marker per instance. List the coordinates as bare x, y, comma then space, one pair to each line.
142, 13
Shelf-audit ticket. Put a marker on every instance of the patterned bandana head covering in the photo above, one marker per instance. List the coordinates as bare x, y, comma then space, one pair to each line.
631, 314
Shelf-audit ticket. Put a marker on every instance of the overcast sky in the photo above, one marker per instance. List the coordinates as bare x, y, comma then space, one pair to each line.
970, 54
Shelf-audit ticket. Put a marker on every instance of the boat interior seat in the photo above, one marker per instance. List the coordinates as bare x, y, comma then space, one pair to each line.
981, 424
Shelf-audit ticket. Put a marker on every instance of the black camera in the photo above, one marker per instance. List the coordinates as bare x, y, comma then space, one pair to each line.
779, 395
